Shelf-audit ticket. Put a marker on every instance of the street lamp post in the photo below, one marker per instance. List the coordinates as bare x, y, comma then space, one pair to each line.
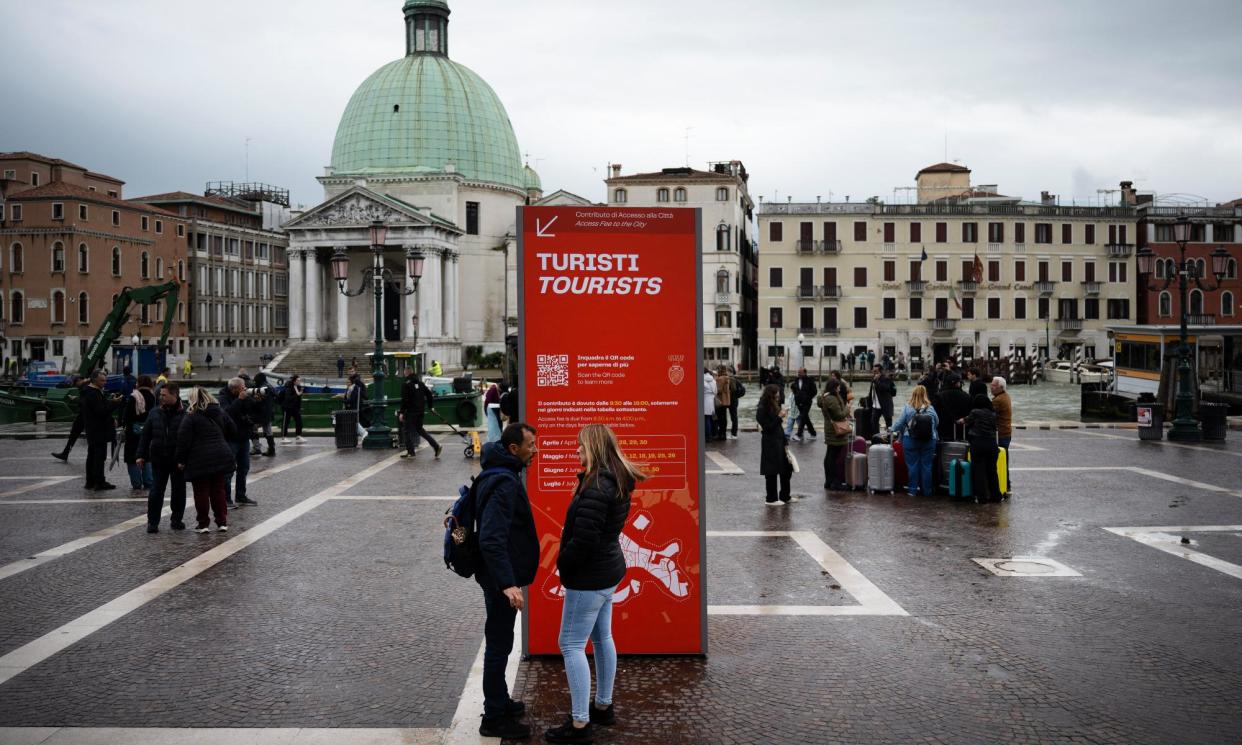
1185, 426
379, 435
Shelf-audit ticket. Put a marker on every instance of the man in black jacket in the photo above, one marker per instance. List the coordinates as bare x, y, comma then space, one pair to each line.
416, 398
100, 430
242, 411
158, 446
509, 548
804, 390
882, 392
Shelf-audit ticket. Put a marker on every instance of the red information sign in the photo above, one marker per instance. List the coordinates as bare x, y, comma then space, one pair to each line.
611, 328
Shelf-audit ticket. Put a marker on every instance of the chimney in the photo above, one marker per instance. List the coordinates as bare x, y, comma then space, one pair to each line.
1129, 197
616, 169
1047, 200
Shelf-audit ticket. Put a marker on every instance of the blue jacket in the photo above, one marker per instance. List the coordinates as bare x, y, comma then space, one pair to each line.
507, 539
907, 418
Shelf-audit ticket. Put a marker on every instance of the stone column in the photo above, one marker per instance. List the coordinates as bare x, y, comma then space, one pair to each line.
295, 294
429, 327
342, 311
313, 299
451, 293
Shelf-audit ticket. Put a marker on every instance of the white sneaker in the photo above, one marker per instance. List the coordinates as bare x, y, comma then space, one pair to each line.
221, 529
301, 440
200, 530
284, 441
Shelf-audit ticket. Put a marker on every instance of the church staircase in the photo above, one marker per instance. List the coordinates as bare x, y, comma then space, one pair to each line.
317, 359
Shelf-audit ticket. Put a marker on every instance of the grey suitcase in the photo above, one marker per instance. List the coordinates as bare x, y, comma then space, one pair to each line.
880, 464
856, 470
949, 452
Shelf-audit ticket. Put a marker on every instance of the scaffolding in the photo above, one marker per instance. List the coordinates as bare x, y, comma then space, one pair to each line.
248, 191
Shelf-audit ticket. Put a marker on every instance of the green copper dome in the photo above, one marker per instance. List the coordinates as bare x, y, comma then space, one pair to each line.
425, 112
532, 179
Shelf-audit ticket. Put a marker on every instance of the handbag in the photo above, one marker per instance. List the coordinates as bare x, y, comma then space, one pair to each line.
842, 427
793, 462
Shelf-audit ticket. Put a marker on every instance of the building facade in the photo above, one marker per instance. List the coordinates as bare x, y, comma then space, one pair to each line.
71, 244
730, 263
238, 280
425, 144
1210, 227
965, 270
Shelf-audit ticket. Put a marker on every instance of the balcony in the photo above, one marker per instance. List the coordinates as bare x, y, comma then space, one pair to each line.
1044, 287
724, 298
1091, 288
1069, 325
916, 286
1119, 250
830, 292
831, 247
806, 292
830, 331
967, 286
807, 247
806, 331
994, 248
1200, 319
944, 325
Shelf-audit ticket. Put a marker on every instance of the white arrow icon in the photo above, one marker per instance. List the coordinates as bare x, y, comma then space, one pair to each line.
541, 229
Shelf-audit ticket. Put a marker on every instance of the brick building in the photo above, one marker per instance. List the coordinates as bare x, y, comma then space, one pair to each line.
71, 243
239, 270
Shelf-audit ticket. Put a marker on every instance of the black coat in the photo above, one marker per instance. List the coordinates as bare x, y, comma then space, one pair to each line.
97, 421
883, 389
978, 388
804, 391
290, 399
981, 426
772, 460
416, 397
951, 404
158, 444
203, 443
508, 542
244, 412
590, 554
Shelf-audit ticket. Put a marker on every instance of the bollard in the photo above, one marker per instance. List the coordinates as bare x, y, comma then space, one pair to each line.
41, 422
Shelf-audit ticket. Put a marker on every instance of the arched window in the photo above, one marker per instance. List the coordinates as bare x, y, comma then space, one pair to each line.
159, 267
58, 306
662, 194
679, 194
722, 237
17, 307
1160, 269
1196, 302
1166, 304
722, 280
1231, 269
618, 195
1200, 268
58, 257
84, 308
116, 261
1226, 303
144, 266
17, 259
84, 258
722, 194
180, 270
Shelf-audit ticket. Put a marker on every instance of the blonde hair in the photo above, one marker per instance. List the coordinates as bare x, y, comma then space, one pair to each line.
200, 399
918, 397
603, 453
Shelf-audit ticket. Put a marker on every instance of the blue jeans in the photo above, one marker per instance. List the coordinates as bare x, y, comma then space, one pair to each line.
919, 459
241, 457
588, 613
140, 478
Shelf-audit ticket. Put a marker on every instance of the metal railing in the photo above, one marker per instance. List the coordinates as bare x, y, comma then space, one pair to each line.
967, 286
1092, 287
806, 247
832, 247
1200, 319
1045, 287
830, 292
1117, 250
944, 324
916, 286
1069, 324
806, 292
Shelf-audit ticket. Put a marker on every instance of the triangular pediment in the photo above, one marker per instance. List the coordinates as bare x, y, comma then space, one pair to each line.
358, 207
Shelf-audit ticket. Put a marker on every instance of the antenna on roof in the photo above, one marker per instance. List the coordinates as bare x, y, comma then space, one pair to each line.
248, 158
688, 145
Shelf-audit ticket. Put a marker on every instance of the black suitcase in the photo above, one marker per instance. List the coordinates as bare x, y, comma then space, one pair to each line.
947, 453
867, 423
345, 428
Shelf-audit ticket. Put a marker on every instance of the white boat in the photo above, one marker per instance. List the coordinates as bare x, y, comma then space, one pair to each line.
1062, 371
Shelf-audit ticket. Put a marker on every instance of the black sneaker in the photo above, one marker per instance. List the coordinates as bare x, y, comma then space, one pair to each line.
178, 525
246, 500
567, 732
516, 709
505, 727
153, 528
606, 717
61, 456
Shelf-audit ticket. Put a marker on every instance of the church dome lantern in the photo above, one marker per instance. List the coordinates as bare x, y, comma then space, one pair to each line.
426, 114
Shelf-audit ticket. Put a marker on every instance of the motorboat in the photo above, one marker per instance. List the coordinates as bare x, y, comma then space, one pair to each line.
1062, 371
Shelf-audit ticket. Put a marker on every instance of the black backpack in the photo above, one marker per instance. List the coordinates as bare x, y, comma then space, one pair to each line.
921, 427
739, 390
461, 526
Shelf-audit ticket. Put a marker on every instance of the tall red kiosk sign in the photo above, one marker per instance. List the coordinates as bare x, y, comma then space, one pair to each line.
611, 332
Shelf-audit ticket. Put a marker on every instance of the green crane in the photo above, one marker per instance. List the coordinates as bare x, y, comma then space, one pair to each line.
110, 330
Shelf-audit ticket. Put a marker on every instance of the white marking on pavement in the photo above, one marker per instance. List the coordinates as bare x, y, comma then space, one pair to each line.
1142, 472
30, 478
397, 498
872, 601
1024, 446
1160, 443
30, 562
1026, 566
217, 736
465, 726
47, 481
1168, 540
28, 655
726, 466
73, 501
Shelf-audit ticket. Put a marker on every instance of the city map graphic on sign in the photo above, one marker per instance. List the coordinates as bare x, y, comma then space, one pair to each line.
645, 565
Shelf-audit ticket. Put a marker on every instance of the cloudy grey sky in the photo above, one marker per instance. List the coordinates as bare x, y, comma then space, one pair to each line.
816, 97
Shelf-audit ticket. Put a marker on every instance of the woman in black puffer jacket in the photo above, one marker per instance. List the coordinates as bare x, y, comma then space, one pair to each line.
981, 433
205, 458
591, 565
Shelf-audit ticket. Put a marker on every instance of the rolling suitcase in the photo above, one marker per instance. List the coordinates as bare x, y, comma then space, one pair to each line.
1002, 470
880, 468
856, 469
959, 478
949, 452
901, 474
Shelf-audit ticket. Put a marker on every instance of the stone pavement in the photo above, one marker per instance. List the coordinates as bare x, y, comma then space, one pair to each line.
326, 616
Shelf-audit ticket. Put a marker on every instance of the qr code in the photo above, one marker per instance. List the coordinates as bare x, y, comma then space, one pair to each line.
553, 370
